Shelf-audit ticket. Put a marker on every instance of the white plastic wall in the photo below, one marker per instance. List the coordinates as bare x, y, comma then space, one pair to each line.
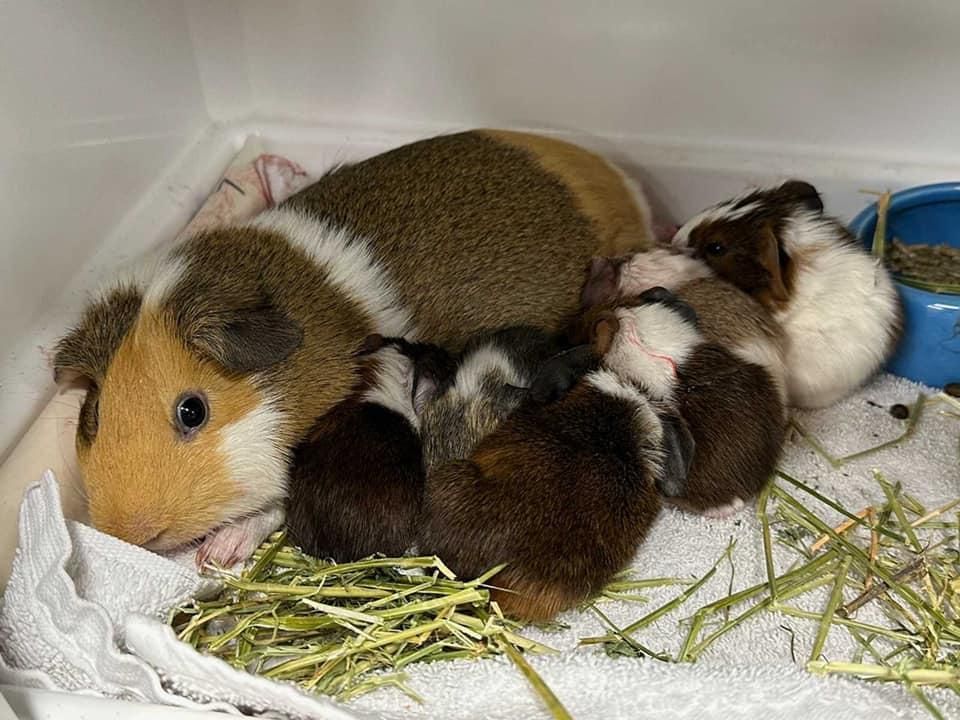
117, 115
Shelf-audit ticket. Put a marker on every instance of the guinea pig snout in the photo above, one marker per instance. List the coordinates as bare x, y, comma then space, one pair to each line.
136, 529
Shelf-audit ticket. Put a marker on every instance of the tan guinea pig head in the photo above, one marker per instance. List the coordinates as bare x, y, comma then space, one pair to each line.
177, 435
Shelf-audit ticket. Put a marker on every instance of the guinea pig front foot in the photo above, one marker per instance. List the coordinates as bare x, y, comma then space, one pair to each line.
721, 512
236, 542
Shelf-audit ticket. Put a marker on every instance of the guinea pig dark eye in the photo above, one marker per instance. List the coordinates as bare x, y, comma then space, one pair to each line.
190, 413
715, 249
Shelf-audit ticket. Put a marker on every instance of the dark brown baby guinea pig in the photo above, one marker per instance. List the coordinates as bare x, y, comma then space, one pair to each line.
357, 480
732, 407
563, 493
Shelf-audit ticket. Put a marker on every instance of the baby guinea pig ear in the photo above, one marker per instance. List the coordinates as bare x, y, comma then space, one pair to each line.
246, 339
678, 448
801, 193
604, 330
603, 281
769, 258
83, 355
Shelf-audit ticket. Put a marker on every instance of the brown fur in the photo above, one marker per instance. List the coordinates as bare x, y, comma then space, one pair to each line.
752, 255
733, 411
598, 189
491, 224
563, 493
356, 484
474, 233
727, 316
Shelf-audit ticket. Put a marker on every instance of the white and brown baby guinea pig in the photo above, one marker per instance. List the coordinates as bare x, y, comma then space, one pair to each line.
356, 482
839, 309
725, 314
562, 492
206, 370
493, 375
732, 406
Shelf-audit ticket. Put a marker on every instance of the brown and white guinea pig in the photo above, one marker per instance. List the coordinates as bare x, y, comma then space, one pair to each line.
563, 493
725, 314
492, 378
839, 309
730, 402
356, 483
207, 370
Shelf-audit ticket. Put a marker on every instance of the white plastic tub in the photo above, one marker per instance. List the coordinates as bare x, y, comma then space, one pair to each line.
117, 116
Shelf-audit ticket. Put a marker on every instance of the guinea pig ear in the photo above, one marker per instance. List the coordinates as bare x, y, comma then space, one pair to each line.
603, 281
678, 447
604, 330
247, 340
425, 389
83, 355
372, 343
804, 194
769, 251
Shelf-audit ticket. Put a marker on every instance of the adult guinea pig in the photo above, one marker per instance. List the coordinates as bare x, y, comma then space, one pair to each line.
356, 482
836, 303
563, 492
728, 398
205, 372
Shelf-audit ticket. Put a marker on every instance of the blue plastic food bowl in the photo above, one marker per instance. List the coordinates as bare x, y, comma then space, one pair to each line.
929, 351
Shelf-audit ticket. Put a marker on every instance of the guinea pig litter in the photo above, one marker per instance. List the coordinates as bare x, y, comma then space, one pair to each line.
345, 630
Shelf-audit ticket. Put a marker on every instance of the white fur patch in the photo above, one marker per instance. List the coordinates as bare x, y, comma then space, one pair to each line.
255, 462
843, 305
166, 274
393, 387
659, 267
350, 264
609, 383
486, 361
724, 211
652, 342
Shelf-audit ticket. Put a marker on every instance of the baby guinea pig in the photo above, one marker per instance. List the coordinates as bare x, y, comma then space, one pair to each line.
493, 374
725, 314
837, 304
563, 492
357, 480
732, 406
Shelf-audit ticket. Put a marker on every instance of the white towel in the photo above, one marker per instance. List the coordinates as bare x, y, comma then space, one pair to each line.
78, 601
749, 673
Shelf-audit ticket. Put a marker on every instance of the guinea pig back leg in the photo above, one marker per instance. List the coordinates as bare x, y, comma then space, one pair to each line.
236, 541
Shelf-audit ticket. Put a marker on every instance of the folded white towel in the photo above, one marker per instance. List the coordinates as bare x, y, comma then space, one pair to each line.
78, 601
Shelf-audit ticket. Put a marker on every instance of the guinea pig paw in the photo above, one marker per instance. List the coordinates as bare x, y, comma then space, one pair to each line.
721, 512
227, 546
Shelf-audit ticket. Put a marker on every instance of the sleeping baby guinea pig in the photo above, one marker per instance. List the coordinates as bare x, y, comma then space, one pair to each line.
357, 480
724, 387
837, 304
492, 377
564, 492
